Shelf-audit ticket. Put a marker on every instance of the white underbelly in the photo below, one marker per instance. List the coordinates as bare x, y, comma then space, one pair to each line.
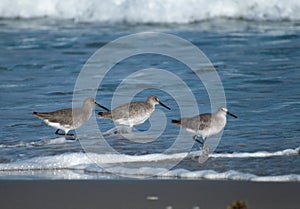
65, 128
133, 121
208, 132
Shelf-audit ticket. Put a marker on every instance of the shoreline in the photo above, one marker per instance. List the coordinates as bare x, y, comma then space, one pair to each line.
156, 194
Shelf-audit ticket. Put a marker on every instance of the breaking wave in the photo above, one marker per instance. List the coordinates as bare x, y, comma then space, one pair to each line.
155, 11
89, 163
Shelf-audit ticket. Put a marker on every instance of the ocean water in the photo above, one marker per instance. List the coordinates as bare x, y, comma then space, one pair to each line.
253, 46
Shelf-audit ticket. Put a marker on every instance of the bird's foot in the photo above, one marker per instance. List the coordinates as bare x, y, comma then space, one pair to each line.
71, 137
67, 136
204, 154
201, 142
118, 130
124, 129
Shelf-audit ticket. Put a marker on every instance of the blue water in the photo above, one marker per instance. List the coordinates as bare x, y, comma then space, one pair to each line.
257, 61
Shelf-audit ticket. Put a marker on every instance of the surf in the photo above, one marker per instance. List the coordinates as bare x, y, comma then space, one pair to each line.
155, 11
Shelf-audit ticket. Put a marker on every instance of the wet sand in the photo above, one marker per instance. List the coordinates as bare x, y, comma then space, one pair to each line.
145, 194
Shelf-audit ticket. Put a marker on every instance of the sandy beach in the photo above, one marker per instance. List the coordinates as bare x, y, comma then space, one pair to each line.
131, 194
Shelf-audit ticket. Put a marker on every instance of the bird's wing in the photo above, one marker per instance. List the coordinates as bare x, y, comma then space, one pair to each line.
63, 116
204, 121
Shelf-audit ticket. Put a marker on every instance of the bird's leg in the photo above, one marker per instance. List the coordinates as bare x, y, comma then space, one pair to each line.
111, 132
124, 129
60, 134
64, 134
72, 136
118, 130
197, 140
129, 129
203, 140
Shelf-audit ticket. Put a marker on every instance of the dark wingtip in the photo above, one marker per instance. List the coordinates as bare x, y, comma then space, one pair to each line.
35, 113
176, 121
100, 113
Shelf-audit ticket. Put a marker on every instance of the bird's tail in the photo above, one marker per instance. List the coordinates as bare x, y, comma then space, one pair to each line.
39, 114
105, 114
177, 122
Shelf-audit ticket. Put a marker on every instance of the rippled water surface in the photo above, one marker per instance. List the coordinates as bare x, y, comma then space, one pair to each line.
258, 64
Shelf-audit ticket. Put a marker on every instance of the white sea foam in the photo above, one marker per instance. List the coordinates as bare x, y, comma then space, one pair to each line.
60, 140
154, 11
114, 163
259, 154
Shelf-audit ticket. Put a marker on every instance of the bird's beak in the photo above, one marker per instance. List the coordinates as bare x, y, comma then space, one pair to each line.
229, 113
165, 106
99, 105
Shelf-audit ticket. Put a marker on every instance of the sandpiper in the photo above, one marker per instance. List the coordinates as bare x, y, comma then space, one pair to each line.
205, 125
69, 119
133, 113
